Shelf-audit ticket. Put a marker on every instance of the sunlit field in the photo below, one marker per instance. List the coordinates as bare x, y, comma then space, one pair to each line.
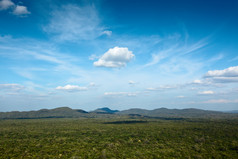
124, 138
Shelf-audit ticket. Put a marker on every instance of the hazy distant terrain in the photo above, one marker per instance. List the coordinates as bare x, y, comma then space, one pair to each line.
66, 112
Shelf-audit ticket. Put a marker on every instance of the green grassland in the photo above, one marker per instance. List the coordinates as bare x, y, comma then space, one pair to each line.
121, 138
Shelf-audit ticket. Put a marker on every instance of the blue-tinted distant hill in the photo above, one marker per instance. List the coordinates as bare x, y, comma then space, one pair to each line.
104, 110
61, 112
183, 113
161, 113
232, 111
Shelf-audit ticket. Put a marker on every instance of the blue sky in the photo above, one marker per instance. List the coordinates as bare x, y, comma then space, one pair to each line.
119, 54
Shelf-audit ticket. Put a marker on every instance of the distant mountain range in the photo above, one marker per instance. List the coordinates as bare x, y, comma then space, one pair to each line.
164, 112
161, 113
231, 111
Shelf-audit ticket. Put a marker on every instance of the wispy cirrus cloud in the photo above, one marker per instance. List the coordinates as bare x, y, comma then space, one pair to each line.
156, 58
235, 58
72, 23
50, 59
11, 87
176, 49
173, 56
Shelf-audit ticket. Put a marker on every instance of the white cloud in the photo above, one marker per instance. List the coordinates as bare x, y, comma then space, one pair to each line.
206, 92
229, 72
162, 88
6, 4
24, 73
72, 23
175, 51
203, 83
216, 58
46, 57
11, 87
197, 82
180, 96
21, 11
235, 58
107, 32
92, 84
17, 10
52, 60
152, 89
132, 82
115, 57
129, 94
223, 76
93, 57
195, 47
71, 88
156, 58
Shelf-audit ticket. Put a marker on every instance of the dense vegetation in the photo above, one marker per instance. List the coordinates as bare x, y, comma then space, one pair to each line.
121, 138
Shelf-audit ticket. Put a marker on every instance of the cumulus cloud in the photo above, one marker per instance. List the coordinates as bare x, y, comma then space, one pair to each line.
21, 11
6, 4
17, 10
115, 58
71, 88
11, 87
229, 72
206, 92
223, 76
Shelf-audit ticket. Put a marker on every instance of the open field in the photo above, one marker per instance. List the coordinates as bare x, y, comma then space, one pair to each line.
121, 138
